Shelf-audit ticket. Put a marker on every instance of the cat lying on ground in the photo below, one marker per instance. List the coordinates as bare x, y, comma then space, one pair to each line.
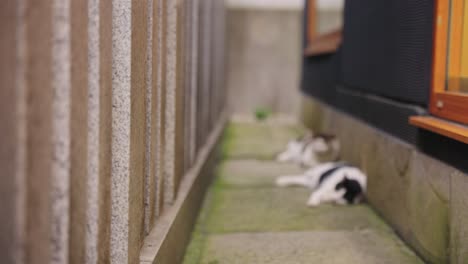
332, 182
311, 150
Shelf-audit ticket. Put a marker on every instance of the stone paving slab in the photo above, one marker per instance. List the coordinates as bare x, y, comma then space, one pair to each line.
253, 173
280, 209
257, 140
366, 247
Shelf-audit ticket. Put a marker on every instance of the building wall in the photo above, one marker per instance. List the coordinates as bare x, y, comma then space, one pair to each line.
264, 52
365, 92
100, 124
264, 43
382, 67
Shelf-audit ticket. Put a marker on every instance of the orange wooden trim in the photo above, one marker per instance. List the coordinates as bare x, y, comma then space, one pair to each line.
455, 43
324, 44
464, 42
445, 104
311, 20
440, 45
453, 106
442, 127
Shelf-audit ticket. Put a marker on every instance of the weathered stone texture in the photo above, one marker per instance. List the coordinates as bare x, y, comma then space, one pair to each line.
150, 137
121, 127
78, 131
179, 122
61, 83
11, 153
342, 247
417, 194
259, 141
93, 133
271, 209
459, 218
160, 198
256, 78
138, 49
96, 124
429, 209
386, 163
39, 95
170, 102
255, 173
105, 131
187, 73
194, 80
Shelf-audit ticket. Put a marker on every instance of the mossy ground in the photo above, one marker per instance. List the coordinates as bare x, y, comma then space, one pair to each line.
246, 219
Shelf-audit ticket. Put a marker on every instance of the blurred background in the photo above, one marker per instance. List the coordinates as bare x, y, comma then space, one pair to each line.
265, 51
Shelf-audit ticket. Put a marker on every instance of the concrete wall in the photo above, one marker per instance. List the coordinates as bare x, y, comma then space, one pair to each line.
425, 200
99, 122
264, 51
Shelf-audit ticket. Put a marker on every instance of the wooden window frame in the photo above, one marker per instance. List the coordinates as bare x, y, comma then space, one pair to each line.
446, 104
449, 109
319, 44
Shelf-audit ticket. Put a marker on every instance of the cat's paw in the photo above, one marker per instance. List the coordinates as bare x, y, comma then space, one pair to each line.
341, 202
283, 157
313, 202
282, 181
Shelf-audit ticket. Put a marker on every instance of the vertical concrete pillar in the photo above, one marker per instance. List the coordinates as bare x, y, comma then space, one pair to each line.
179, 104
201, 93
99, 131
121, 118
61, 83
104, 122
221, 44
204, 89
223, 49
170, 100
194, 78
158, 96
139, 32
21, 112
187, 27
162, 91
12, 104
37, 39
150, 157
128, 145
79, 130
208, 62
214, 73
94, 92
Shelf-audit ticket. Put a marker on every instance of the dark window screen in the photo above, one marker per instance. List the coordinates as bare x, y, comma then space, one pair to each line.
387, 48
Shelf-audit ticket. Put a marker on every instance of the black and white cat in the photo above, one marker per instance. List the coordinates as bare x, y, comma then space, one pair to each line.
332, 182
311, 150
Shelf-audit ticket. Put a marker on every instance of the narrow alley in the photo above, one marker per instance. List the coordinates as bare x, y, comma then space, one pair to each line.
246, 219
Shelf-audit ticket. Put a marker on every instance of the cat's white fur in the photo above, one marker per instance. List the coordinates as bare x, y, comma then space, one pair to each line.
306, 151
324, 192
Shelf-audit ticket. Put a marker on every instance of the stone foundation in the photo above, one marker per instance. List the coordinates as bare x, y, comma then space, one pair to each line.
423, 199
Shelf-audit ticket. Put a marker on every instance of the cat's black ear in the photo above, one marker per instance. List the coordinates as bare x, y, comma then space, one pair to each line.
346, 179
341, 184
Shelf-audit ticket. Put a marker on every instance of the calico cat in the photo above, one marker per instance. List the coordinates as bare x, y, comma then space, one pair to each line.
310, 150
332, 182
